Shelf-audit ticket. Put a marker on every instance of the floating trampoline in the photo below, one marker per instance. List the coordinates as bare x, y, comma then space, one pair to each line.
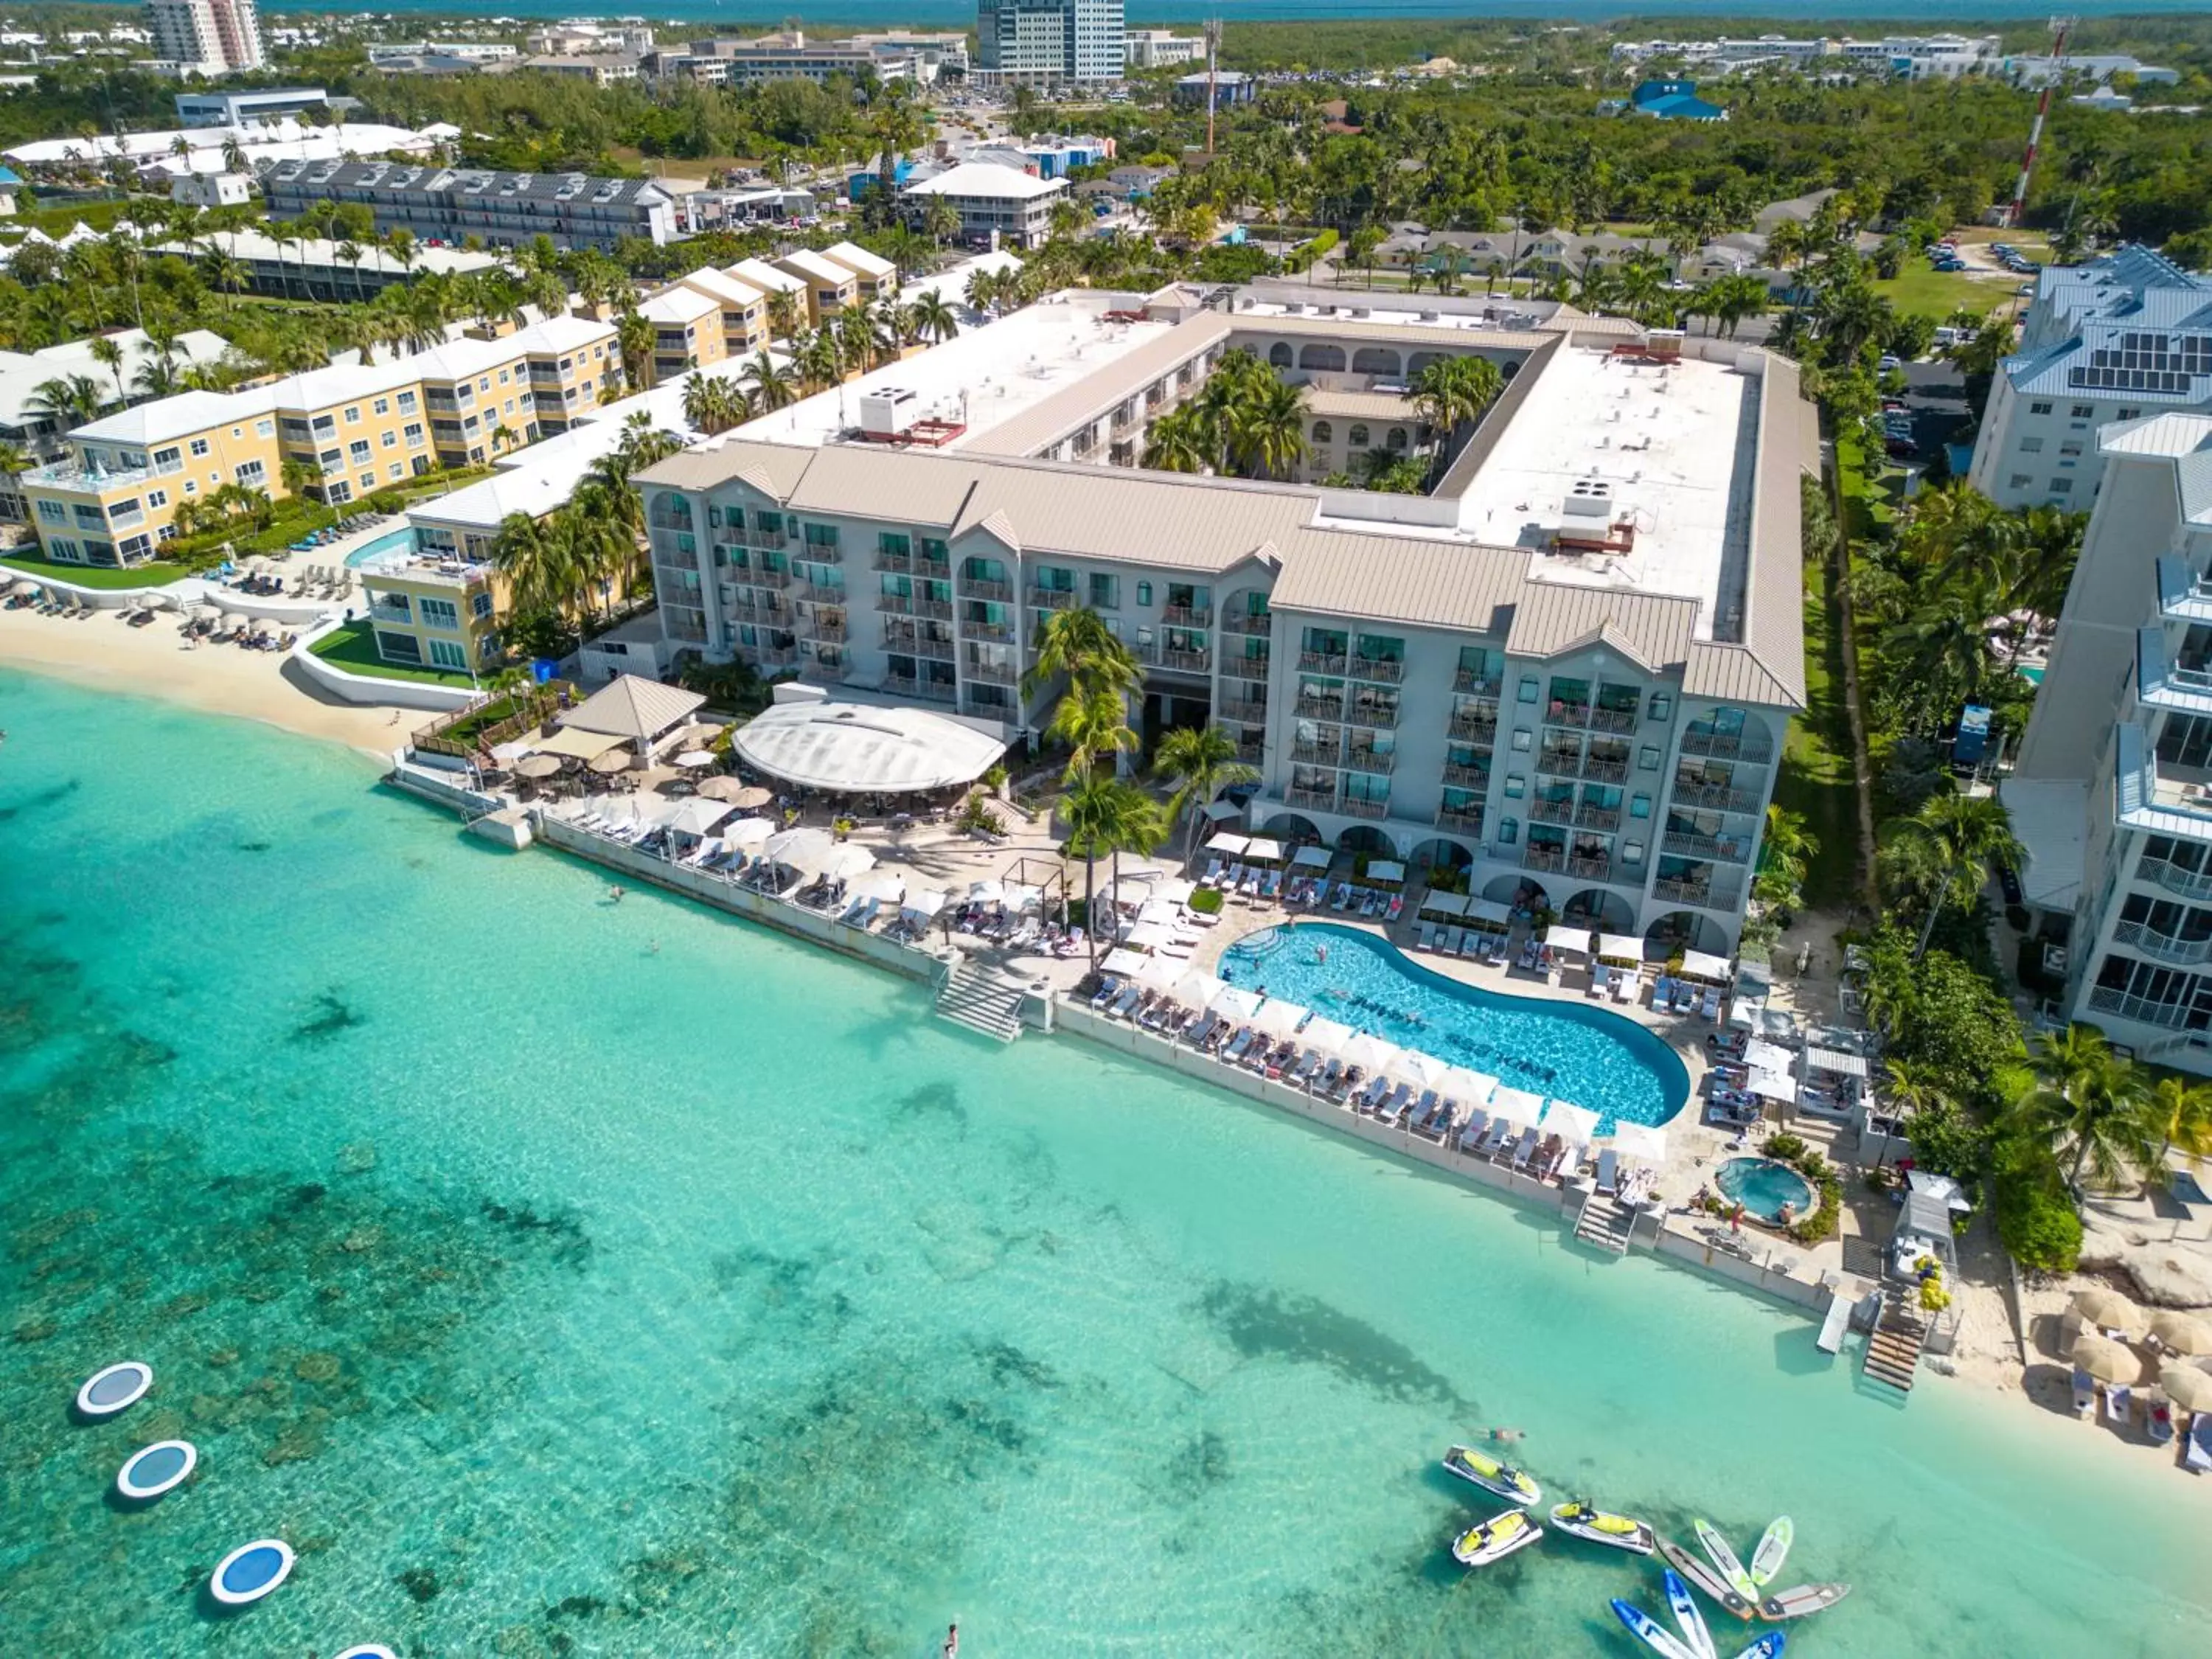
107, 1392
250, 1572
154, 1469
369, 1650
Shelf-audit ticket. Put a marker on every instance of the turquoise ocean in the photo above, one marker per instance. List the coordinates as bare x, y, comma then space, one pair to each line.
961, 14
567, 1277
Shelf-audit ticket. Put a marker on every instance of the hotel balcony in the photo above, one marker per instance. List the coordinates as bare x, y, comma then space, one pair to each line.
894, 604
1252, 751
1002, 633
1382, 671
935, 609
1544, 859
2161, 683
1374, 716
1187, 615
2140, 1011
1568, 764
815, 593
898, 563
1726, 850
1312, 801
1355, 807
1468, 680
1589, 866
1588, 817
1750, 746
1323, 662
775, 540
989, 674
819, 553
2174, 877
1467, 777
747, 576
1700, 889
1716, 796
2183, 595
1184, 662
395, 616
2161, 947
823, 630
1052, 598
1381, 762
1241, 710
1319, 705
982, 588
1552, 811
1575, 716
1315, 754
2156, 797
1465, 824
1620, 722
1475, 728
898, 685
1237, 666
1258, 626
75, 478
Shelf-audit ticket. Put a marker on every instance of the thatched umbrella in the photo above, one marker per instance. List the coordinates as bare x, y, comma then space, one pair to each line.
537, 766
2187, 1387
2107, 1310
2106, 1360
736, 791
2181, 1332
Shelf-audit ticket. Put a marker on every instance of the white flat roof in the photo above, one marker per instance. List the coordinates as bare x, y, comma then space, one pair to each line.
1673, 444
857, 748
986, 374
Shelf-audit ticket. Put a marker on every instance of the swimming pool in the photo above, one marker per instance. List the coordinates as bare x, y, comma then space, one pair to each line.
1762, 1185
401, 540
1588, 1055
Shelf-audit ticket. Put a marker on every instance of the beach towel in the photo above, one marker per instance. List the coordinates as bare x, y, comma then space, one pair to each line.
2198, 1455
2119, 1402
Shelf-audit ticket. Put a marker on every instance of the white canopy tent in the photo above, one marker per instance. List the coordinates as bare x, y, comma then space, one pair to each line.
1559, 937
1620, 947
1311, 858
1443, 904
1163, 974
1838, 1065
923, 905
1229, 844
797, 849
1222, 811
1264, 850
1148, 936
841, 863
1386, 872
696, 816
1941, 1187
1425, 1069
886, 884
1490, 914
747, 832
1173, 890
1702, 964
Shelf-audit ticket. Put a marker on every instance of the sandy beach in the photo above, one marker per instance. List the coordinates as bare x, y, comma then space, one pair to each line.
105, 654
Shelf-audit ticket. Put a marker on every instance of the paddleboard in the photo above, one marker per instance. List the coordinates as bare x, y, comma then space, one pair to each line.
1806, 1598
1655, 1634
1768, 1646
1773, 1549
1687, 1616
1704, 1578
1724, 1562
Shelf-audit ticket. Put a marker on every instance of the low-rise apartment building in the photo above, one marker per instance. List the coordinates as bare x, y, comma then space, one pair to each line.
2115, 338
687, 331
434, 609
996, 205
830, 287
1567, 673
2111, 795
447, 205
744, 309
879, 277
1149, 49
352, 429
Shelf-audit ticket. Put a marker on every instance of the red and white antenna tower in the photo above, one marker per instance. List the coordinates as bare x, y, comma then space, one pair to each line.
1212, 71
2060, 28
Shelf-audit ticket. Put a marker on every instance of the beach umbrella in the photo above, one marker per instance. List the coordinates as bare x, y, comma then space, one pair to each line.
1422, 1068
2187, 1387
840, 863
1371, 1054
537, 766
747, 832
692, 759
1233, 1002
2107, 1310
2181, 1332
2106, 1360
1278, 1018
1639, 1140
988, 891
1123, 962
1570, 1122
614, 760
799, 848
1327, 1035
736, 791
1470, 1089
1199, 989
878, 885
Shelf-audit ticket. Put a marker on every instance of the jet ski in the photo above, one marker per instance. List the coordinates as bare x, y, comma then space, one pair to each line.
1495, 1538
1582, 1521
1492, 1476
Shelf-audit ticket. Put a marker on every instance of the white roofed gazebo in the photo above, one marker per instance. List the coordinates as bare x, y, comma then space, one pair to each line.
850, 749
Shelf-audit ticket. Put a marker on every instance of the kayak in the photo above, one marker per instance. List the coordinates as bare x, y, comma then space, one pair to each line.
1773, 1548
1704, 1578
1656, 1637
1582, 1521
1806, 1598
1768, 1646
1687, 1619
1724, 1562
1495, 1538
1492, 1476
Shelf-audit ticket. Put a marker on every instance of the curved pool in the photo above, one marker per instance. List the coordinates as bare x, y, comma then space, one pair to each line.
1763, 1186
1570, 1051
401, 540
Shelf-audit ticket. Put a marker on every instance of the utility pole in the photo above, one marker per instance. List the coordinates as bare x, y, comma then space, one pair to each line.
1212, 74
2060, 28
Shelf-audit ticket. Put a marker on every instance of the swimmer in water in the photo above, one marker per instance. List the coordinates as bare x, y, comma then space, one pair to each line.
1321, 954
1503, 1436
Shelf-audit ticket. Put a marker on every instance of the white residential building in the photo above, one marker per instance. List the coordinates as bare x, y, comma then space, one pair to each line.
2127, 335
2111, 794
1038, 41
206, 37
1144, 48
1567, 672
238, 109
1000, 204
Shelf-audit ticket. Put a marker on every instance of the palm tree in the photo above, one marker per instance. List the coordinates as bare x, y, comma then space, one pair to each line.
1944, 849
15, 461
1178, 442
72, 399
933, 319
783, 314
1104, 815
537, 561
1199, 762
1077, 644
2085, 1100
1916, 1087
767, 382
633, 336
2184, 1116
1267, 429
816, 358
104, 350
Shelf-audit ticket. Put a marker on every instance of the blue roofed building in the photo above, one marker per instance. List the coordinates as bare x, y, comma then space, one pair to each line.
1674, 100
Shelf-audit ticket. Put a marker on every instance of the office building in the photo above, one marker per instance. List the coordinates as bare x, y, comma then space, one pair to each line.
1148, 49
2112, 792
446, 205
898, 55
206, 37
1041, 41
238, 109
2124, 336
1566, 673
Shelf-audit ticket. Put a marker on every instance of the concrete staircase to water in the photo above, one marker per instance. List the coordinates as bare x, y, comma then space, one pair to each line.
976, 1000
1892, 1350
1605, 1223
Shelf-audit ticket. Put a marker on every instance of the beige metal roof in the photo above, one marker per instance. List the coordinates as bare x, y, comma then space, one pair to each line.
633, 708
1415, 336
920, 486
1359, 405
1655, 629
856, 257
774, 469
1045, 423
1405, 578
1125, 516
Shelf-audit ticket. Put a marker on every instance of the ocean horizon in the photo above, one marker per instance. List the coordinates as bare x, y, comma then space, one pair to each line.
942, 13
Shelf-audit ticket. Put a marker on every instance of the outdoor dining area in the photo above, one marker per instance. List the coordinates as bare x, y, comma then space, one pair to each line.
2114, 1346
1473, 1114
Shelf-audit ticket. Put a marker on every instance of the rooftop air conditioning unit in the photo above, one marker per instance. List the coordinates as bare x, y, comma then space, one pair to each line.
1588, 498
888, 412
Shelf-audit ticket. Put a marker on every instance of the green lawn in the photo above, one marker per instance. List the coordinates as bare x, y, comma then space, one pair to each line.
353, 648
1920, 289
1816, 778
92, 575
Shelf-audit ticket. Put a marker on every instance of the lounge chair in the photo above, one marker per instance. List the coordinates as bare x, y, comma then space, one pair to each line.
1325, 1082
1396, 908
1685, 997
1625, 987
851, 914
2119, 1403
1126, 1004
1525, 1151
1340, 1092
1571, 1163
1109, 988
1449, 939
1255, 879
1599, 974
1608, 1173
2085, 1395
1342, 898
1425, 935
1237, 1045
1393, 1109
1212, 875
2197, 1454
1471, 1132
1371, 902
1710, 1007
1425, 1110
1196, 1035
1367, 1098
1500, 1133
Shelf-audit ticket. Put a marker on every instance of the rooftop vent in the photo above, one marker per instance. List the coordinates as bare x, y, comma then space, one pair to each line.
1588, 498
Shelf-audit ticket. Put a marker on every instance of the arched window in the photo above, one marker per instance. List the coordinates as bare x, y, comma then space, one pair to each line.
1358, 437
1278, 355
672, 511
1323, 432
1396, 441
1375, 359
1328, 358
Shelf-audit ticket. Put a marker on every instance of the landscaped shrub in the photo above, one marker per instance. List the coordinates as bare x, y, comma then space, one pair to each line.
1207, 901
1785, 1146
2036, 1219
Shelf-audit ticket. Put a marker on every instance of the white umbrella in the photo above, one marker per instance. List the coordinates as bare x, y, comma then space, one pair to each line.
1560, 937
1233, 1002
800, 849
692, 759
877, 884
1226, 842
1425, 1069
1173, 890
1386, 872
1468, 1088
841, 862
537, 766
1160, 973
988, 891
1570, 1122
1278, 1019
1516, 1106
747, 832
1327, 1035
1019, 898
1265, 850
1443, 904
1639, 1140
1371, 1054
1311, 857
1148, 935
1199, 989
696, 817
1123, 962
924, 904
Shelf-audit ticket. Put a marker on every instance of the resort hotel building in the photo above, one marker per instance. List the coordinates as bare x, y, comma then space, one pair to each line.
2112, 339
442, 206
2114, 809
1564, 671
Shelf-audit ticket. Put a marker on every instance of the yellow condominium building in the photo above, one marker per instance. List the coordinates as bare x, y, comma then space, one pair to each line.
878, 276
830, 286
433, 610
744, 308
772, 282
344, 431
686, 332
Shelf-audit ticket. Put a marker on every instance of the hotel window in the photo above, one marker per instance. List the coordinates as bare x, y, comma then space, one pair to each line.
169, 461
390, 439
1640, 807
1105, 592
2038, 409
352, 416
446, 654
398, 647
2062, 486
264, 429
480, 606
250, 473
2019, 481
382, 407
199, 449
1646, 759
1662, 705
406, 403
2081, 411
2031, 445
157, 499
1143, 594
440, 613
360, 451
396, 470
414, 435
53, 512
1509, 831
1530, 689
